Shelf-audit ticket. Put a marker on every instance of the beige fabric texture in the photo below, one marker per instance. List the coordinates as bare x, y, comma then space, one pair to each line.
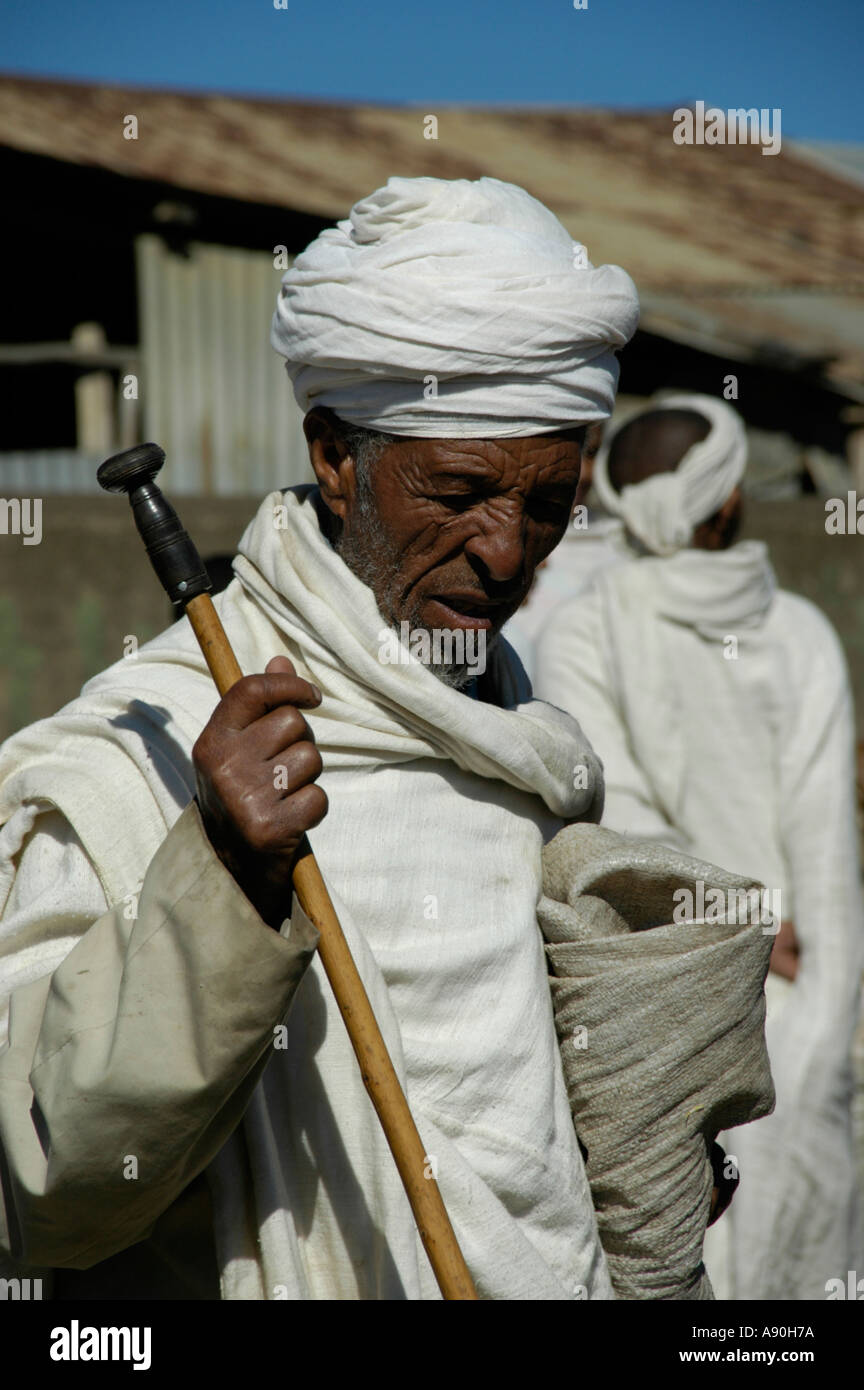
88, 1054
661, 1029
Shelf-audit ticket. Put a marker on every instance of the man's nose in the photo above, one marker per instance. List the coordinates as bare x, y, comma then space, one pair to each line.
500, 547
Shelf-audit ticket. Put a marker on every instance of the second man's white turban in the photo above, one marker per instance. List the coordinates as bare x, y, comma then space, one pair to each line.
663, 511
454, 309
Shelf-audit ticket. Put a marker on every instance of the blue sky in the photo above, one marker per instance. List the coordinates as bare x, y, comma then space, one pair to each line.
804, 56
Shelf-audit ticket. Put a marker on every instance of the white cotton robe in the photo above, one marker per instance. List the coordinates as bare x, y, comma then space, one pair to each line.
722, 712
440, 805
573, 563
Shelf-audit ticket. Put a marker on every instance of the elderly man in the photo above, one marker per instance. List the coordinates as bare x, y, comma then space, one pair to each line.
450, 344
721, 709
168, 1126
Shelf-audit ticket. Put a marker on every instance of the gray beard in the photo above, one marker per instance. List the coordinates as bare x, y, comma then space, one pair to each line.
371, 556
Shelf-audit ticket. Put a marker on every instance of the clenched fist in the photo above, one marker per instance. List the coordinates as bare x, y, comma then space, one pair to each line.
255, 767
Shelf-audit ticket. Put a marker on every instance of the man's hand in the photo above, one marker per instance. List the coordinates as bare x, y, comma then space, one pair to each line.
785, 952
255, 766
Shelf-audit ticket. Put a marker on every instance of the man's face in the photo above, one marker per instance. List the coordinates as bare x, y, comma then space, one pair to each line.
460, 526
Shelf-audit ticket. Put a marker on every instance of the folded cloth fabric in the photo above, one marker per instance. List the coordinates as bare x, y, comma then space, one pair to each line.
660, 1022
662, 511
453, 308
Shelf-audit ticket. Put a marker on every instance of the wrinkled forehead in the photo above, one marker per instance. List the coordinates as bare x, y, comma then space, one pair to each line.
491, 462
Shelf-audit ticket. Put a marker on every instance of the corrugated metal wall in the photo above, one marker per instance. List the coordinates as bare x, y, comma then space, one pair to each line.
211, 389
39, 472
213, 392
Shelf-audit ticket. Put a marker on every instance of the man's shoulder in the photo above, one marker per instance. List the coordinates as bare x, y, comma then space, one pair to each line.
808, 637
803, 619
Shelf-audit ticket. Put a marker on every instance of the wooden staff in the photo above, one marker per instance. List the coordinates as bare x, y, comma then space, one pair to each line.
179, 567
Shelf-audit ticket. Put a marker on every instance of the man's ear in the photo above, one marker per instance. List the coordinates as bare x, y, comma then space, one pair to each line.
720, 530
591, 441
331, 461
729, 519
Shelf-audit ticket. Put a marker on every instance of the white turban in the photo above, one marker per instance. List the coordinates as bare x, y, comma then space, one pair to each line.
663, 511
455, 309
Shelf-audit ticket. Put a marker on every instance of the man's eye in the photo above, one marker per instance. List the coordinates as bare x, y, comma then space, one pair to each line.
556, 513
457, 501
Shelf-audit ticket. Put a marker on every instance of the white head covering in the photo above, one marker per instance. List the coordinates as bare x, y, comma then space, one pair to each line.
662, 512
451, 308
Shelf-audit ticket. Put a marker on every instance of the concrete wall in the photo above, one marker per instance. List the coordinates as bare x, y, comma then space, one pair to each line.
67, 604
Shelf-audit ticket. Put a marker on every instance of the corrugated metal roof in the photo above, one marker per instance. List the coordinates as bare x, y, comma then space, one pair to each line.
724, 242
845, 160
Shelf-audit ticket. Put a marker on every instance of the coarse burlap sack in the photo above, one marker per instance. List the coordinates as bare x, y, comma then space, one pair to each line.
661, 1029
